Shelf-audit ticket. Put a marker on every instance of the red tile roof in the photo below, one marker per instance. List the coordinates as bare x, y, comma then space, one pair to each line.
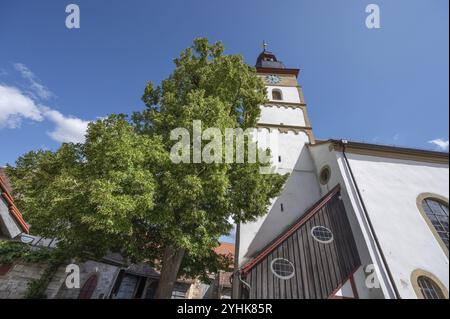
5, 189
225, 249
5, 179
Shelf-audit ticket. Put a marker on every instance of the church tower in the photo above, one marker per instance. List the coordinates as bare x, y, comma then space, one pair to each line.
287, 108
284, 119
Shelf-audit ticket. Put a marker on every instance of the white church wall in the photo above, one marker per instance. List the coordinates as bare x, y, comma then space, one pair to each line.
300, 193
346, 290
289, 93
288, 116
390, 188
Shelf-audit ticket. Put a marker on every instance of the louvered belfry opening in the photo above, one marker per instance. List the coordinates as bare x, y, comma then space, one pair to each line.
318, 267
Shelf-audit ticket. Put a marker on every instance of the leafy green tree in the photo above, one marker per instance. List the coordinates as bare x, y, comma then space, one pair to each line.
120, 192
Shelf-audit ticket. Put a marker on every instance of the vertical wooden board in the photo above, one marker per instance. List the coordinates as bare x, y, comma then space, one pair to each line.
331, 249
264, 283
314, 267
309, 264
253, 284
324, 259
303, 262
352, 243
276, 281
287, 283
320, 259
294, 282
258, 281
348, 237
270, 286
282, 283
353, 250
340, 242
298, 266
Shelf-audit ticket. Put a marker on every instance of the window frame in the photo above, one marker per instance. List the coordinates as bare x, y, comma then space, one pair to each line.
279, 92
324, 169
419, 202
417, 274
318, 239
292, 275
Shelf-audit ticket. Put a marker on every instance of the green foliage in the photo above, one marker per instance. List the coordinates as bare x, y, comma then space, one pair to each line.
14, 252
119, 191
36, 288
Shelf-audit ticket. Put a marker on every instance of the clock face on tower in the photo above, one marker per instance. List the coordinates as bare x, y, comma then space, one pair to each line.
273, 79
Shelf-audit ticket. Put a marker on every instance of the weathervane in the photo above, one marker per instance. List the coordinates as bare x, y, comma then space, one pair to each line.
264, 45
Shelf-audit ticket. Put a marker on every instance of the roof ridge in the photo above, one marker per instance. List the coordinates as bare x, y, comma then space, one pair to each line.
13, 210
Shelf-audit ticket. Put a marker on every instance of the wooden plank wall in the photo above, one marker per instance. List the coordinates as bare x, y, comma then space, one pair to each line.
319, 268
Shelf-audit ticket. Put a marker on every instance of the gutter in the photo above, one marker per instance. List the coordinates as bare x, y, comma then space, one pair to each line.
369, 222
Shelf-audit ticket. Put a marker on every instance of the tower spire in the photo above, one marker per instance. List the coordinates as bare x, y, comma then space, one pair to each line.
267, 59
264, 45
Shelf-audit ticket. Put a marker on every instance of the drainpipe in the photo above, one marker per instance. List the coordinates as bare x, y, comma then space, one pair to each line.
369, 222
237, 275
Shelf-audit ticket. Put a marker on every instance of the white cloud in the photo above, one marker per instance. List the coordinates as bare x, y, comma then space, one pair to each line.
440, 144
35, 85
68, 129
15, 106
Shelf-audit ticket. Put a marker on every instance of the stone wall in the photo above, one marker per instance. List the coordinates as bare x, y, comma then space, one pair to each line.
14, 284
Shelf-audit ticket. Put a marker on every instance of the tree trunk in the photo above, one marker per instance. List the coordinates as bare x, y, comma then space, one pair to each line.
170, 266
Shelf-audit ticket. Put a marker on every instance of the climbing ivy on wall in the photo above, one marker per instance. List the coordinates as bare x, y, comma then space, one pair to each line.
16, 252
36, 288
13, 252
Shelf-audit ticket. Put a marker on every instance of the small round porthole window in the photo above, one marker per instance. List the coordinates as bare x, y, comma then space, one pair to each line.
282, 268
325, 174
322, 234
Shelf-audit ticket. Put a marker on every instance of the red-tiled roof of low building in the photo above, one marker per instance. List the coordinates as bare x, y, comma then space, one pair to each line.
225, 249
5, 189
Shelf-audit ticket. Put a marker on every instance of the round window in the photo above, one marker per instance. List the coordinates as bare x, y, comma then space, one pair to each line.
322, 234
282, 268
324, 175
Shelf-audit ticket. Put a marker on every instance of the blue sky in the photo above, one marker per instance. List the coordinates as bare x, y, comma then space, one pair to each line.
387, 85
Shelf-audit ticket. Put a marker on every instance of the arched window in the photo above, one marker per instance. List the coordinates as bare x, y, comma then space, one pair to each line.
428, 286
88, 288
437, 213
276, 95
429, 289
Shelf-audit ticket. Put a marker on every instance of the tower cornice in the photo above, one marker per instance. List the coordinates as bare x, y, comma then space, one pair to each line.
278, 71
